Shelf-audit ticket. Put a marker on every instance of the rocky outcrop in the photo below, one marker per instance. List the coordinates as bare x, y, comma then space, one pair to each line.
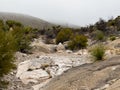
39, 46
34, 76
60, 47
41, 69
104, 75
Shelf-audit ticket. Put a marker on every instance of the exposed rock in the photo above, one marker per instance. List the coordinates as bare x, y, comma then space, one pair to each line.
69, 51
38, 86
66, 43
81, 52
23, 67
34, 64
34, 76
42, 68
96, 76
117, 46
60, 47
40, 46
114, 86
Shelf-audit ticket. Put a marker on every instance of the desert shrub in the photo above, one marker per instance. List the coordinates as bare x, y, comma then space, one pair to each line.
12, 23
22, 38
30, 32
1, 24
64, 35
78, 42
7, 50
50, 34
23, 35
112, 38
56, 29
101, 25
98, 52
99, 35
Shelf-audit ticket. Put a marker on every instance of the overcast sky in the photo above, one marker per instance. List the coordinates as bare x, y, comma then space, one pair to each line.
77, 12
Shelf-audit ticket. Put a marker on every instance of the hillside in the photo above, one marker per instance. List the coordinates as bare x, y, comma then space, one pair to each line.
26, 20
58, 58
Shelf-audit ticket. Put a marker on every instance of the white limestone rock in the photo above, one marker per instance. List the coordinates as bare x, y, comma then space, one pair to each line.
34, 76
23, 67
60, 47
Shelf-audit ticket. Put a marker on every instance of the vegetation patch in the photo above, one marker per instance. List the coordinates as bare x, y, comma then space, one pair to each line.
78, 42
98, 52
64, 35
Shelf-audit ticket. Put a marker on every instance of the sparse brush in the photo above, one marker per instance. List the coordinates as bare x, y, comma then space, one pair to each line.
112, 38
98, 52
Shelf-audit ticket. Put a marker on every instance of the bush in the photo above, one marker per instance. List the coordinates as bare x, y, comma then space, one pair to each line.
11, 41
99, 35
50, 34
112, 38
64, 35
12, 23
78, 42
7, 50
22, 38
1, 24
98, 52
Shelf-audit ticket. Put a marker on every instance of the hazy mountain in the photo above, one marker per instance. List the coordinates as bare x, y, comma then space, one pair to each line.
26, 20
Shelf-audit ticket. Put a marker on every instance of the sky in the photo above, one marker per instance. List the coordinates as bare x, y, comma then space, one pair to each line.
76, 12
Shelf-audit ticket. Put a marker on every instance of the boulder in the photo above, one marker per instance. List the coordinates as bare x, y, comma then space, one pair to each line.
23, 67
69, 51
40, 46
81, 52
60, 47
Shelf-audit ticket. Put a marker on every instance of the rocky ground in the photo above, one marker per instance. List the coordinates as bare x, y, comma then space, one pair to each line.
103, 75
28, 75
51, 67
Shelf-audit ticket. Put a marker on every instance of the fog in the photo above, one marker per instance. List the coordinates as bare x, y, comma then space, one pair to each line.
76, 12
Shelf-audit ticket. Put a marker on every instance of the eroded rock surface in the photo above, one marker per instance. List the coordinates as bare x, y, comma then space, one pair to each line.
41, 69
104, 75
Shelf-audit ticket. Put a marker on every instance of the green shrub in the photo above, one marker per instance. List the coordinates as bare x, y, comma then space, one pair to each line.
78, 42
7, 50
112, 38
22, 38
50, 34
1, 24
11, 41
12, 23
64, 35
98, 52
99, 35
